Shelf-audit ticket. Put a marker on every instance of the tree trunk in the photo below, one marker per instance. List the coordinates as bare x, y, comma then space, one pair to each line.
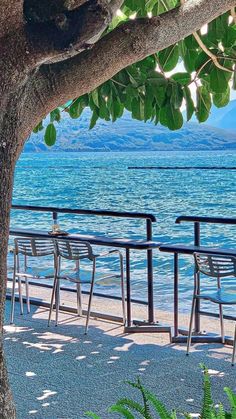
10, 147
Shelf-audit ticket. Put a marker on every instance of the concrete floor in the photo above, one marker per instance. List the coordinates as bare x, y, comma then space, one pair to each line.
61, 373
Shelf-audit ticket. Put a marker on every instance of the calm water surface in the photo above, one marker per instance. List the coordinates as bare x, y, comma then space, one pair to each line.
103, 181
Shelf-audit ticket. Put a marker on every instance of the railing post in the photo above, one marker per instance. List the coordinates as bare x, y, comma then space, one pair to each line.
197, 240
150, 273
128, 288
176, 294
54, 217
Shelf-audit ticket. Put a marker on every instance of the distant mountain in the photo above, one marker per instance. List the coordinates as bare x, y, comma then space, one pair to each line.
127, 134
224, 118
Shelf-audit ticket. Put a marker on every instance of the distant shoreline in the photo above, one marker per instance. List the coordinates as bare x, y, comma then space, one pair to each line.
51, 151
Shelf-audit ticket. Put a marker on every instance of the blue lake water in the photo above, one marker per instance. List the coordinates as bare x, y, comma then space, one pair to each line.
103, 181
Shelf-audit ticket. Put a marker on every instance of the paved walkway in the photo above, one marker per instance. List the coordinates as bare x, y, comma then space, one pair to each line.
61, 373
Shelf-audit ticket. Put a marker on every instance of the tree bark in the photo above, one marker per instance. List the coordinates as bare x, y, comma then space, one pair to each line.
11, 143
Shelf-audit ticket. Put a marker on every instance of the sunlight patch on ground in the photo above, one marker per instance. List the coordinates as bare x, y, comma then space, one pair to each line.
45, 347
30, 374
124, 348
216, 373
57, 336
80, 357
11, 328
46, 394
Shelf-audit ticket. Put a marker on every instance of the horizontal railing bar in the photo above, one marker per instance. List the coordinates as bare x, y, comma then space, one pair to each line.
182, 167
104, 213
96, 294
213, 220
210, 314
103, 316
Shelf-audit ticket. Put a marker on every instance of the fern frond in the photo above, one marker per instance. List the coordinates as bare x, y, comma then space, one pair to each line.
221, 412
146, 408
159, 406
147, 412
173, 414
232, 400
92, 415
132, 404
122, 410
207, 408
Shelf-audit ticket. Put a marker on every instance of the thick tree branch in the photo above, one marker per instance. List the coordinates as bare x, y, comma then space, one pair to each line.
58, 35
11, 15
125, 45
45, 10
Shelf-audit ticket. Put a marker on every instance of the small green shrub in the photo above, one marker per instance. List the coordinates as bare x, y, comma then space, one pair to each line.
151, 408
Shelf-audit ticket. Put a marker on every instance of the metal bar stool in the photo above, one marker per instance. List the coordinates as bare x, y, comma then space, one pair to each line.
77, 251
216, 266
29, 247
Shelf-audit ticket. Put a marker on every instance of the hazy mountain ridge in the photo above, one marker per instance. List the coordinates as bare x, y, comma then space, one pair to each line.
127, 134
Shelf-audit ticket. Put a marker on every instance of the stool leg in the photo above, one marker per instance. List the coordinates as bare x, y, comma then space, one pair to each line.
191, 325
222, 323
57, 300
20, 295
90, 296
234, 347
27, 295
79, 299
53, 296
13, 296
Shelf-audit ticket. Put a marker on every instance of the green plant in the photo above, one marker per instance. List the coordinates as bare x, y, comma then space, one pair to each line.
152, 408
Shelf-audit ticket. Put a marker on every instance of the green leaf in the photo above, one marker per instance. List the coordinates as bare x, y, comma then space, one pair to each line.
190, 58
234, 79
103, 110
221, 99
229, 39
182, 78
55, 115
93, 119
189, 103
50, 135
189, 52
169, 57
148, 103
38, 127
203, 104
171, 117
78, 106
117, 109
176, 97
203, 64
218, 80
137, 109
94, 95
218, 27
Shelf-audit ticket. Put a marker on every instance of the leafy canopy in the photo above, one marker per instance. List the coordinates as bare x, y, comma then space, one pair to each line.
152, 89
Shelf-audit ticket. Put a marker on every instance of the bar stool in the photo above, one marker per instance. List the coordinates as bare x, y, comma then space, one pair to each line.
29, 247
216, 266
77, 251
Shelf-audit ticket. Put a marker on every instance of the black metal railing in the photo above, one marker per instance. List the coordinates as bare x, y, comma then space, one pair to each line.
150, 219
